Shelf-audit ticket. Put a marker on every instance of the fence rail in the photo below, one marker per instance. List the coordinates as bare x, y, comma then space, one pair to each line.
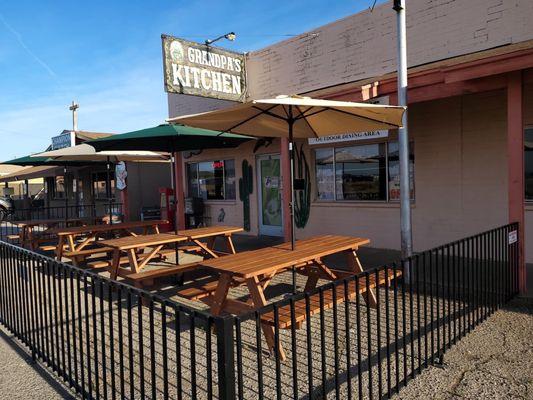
109, 340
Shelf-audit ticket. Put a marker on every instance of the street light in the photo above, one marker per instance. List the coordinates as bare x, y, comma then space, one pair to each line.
230, 36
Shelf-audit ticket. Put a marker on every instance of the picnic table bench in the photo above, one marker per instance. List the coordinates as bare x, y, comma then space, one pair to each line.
196, 236
134, 246
257, 268
211, 233
76, 250
28, 236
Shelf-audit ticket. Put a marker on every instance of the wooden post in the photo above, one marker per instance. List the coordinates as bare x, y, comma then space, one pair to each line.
515, 161
179, 190
124, 199
286, 182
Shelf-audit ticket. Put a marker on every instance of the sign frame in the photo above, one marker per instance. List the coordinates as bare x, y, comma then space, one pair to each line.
198, 69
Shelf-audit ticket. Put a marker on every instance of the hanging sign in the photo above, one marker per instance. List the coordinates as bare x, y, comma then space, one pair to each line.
353, 136
513, 237
66, 139
201, 70
121, 175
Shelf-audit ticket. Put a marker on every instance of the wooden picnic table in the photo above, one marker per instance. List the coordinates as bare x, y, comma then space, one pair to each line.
134, 246
67, 236
196, 235
257, 268
27, 228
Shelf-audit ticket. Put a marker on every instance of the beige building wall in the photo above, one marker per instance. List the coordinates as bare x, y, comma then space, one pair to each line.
460, 179
363, 46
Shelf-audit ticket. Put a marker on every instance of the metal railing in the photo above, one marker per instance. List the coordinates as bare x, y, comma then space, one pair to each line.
109, 340
92, 213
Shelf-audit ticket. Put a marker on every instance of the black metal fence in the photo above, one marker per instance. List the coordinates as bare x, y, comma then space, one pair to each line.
109, 340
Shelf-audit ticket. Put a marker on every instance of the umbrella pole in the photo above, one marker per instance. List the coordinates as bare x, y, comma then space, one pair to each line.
291, 205
108, 192
66, 193
176, 224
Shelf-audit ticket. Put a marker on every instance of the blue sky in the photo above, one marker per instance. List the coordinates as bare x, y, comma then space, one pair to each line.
106, 55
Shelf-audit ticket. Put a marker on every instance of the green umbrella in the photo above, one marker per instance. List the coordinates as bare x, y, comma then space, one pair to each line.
29, 161
169, 138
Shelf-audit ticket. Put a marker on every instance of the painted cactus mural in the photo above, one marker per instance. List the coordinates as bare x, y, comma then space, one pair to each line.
302, 198
246, 188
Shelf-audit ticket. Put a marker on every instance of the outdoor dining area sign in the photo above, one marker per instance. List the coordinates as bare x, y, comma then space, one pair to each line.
202, 70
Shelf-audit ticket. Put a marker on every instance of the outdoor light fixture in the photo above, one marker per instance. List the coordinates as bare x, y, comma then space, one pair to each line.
230, 36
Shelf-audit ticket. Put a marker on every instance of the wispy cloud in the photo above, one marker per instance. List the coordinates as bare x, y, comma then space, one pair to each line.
21, 42
134, 101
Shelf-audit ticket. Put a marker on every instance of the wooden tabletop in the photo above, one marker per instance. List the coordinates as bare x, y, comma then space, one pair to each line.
105, 227
36, 222
132, 242
270, 259
200, 233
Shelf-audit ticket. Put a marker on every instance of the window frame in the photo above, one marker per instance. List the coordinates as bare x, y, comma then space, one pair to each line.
112, 182
197, 163
335, 146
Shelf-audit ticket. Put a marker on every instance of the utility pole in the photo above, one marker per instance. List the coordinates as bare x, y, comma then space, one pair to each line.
74, 108
403, 135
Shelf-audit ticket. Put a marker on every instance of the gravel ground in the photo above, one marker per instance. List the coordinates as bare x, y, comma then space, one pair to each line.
495, 361
21, 378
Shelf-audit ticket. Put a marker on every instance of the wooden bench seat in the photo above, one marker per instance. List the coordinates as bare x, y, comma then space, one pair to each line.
87, 252
106, 263
146, 278
300, 313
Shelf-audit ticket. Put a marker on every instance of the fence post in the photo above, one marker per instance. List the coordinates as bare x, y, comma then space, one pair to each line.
226, 359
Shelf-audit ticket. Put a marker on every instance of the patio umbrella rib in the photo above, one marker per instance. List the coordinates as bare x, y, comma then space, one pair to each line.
245, 121
392, 126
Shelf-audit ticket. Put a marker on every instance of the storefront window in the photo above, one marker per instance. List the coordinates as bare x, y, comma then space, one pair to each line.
528, 163
394, 171
212, 180
360, 173
58, 189
100, 185
325, 175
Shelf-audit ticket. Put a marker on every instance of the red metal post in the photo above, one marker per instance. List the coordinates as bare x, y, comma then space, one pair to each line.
179, 190
286, 193
515, 154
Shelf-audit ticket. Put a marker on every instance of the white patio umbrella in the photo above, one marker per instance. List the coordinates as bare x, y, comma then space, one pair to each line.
85, 152
297, 117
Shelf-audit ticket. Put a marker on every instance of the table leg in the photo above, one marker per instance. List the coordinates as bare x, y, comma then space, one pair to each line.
115, 264
205, 248
259, 300
229, 244
221, 293
356, 267
132, 257
148, 257
59, 249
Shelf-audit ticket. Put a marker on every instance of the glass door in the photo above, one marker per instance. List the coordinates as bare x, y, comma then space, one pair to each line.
270, 210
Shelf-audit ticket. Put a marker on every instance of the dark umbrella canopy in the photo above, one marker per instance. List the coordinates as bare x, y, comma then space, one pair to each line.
169, 138
29, 161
